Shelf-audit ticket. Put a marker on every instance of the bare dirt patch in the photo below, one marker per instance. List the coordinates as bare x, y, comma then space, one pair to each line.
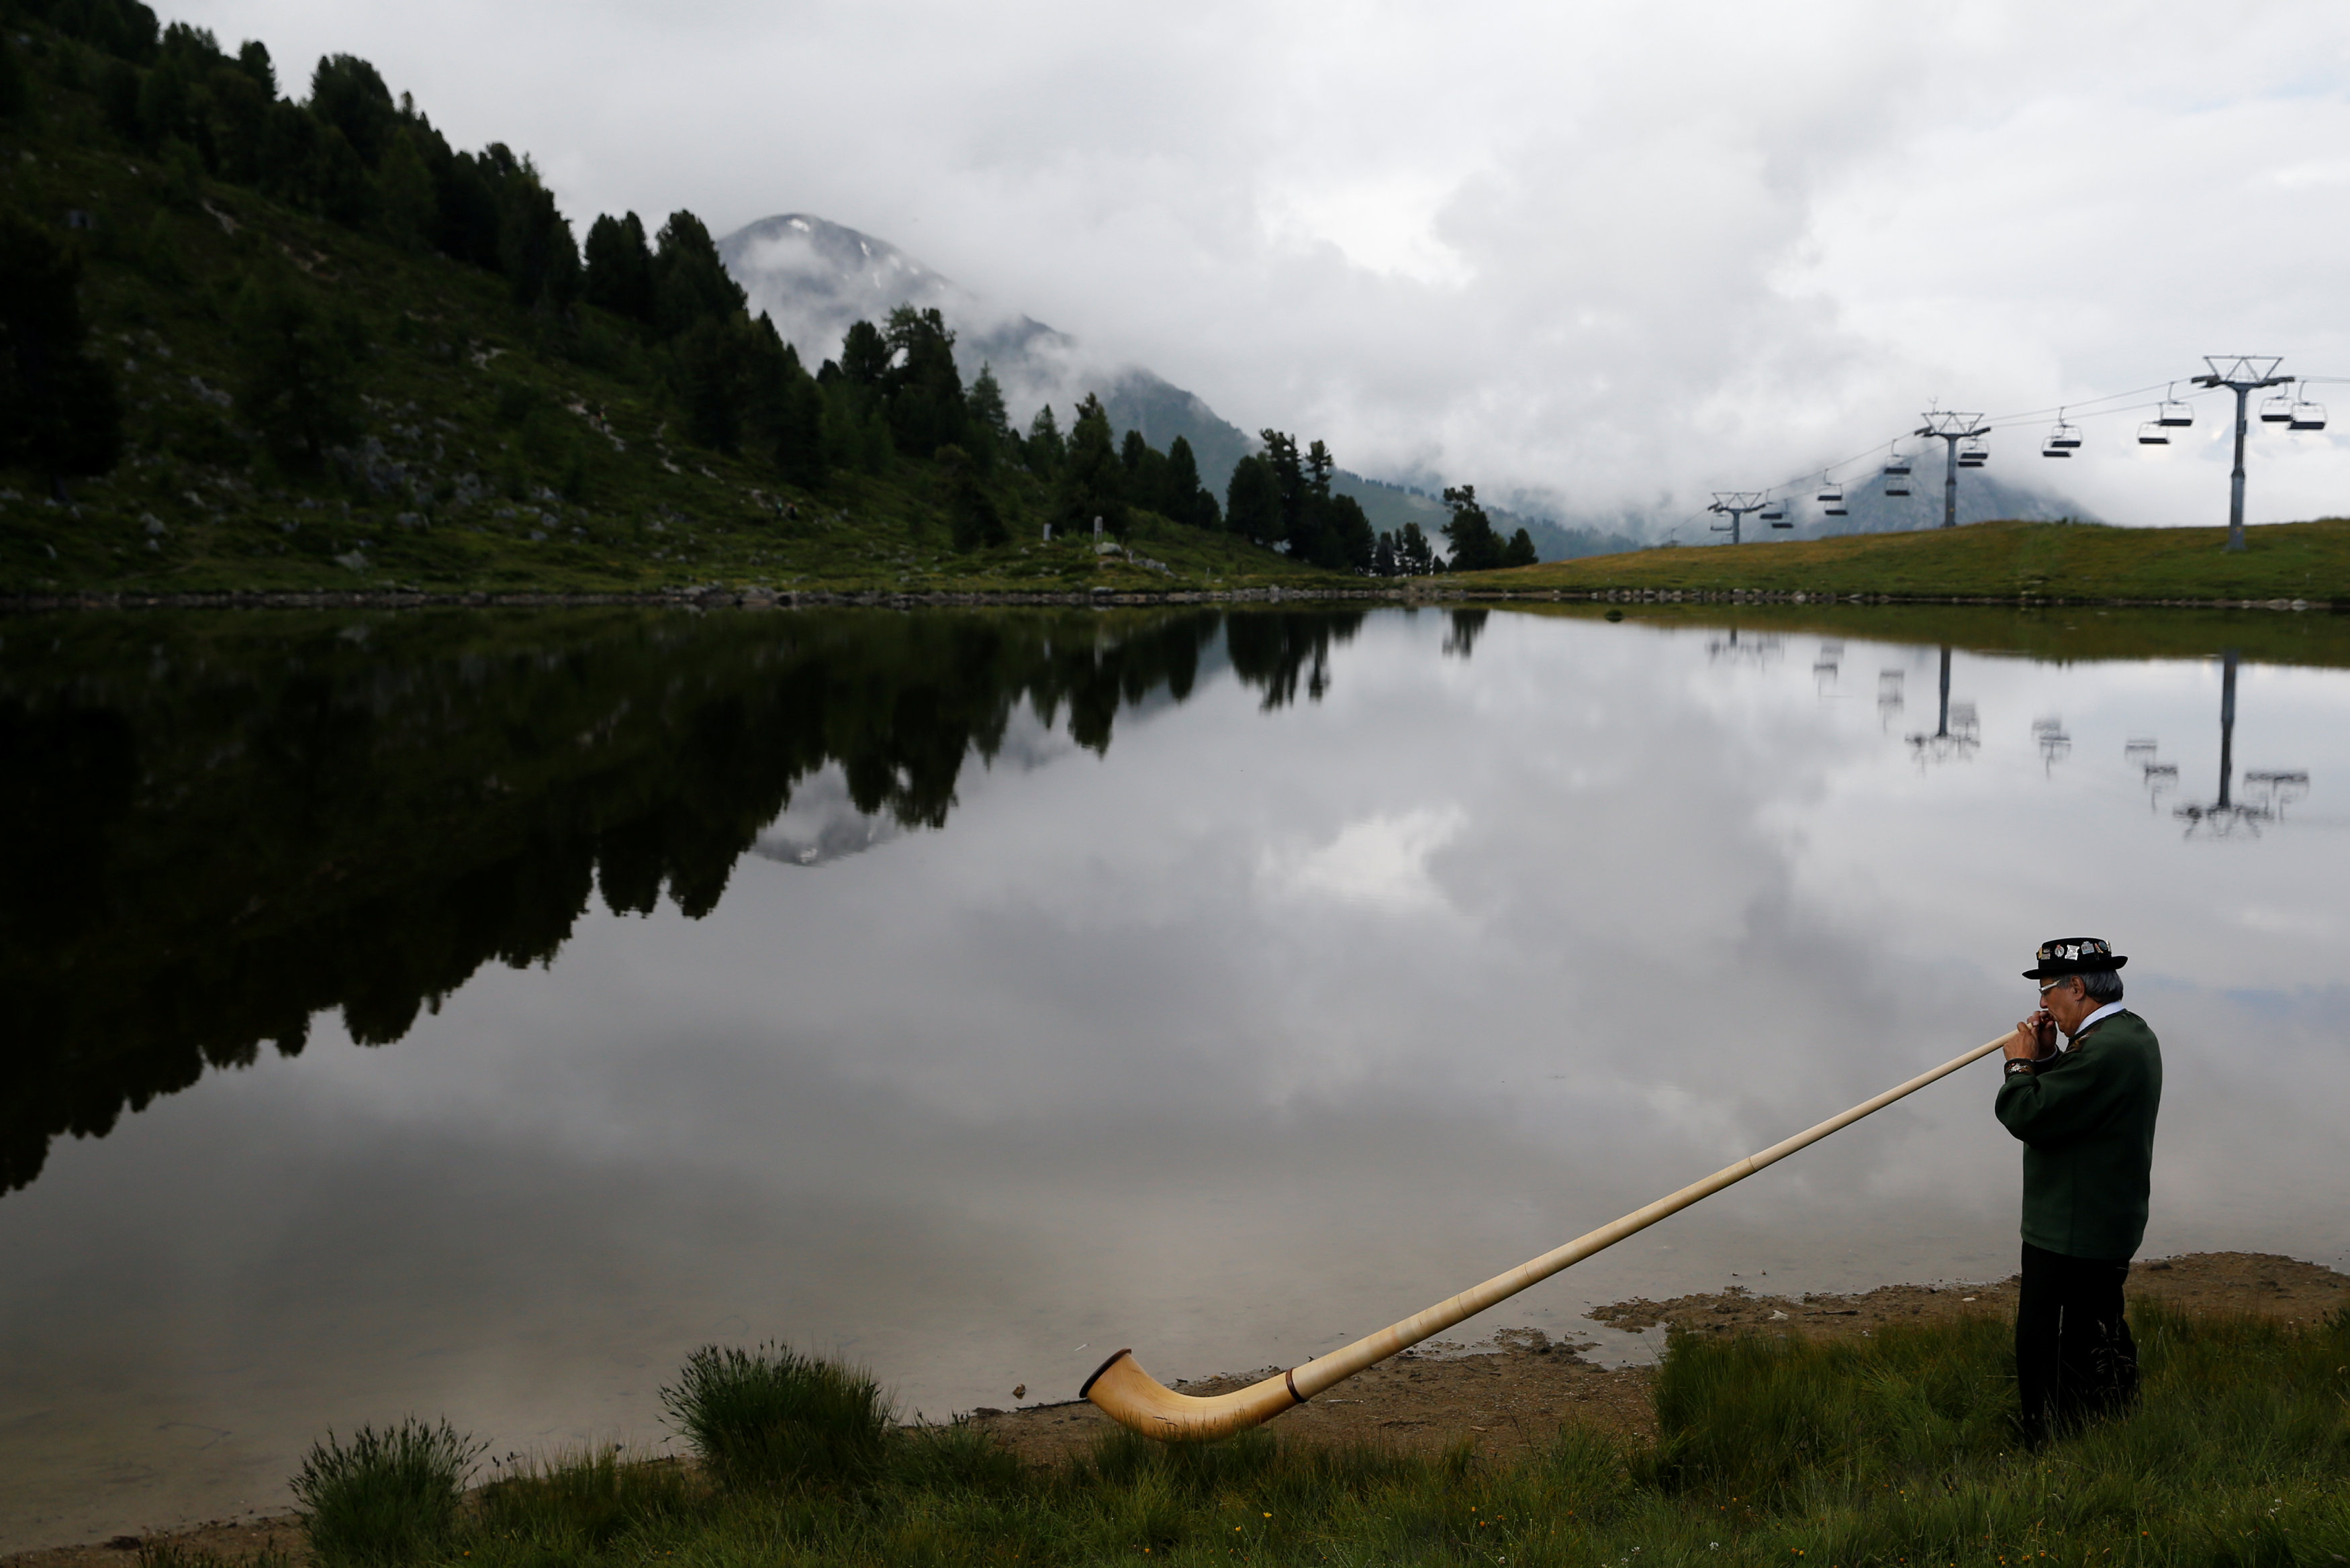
1513, 1392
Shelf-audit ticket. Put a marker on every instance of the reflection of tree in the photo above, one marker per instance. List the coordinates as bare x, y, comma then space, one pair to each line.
1468, 626
1272, 647
223, 826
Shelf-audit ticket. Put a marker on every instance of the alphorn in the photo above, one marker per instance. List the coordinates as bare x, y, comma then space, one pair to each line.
1136, 1400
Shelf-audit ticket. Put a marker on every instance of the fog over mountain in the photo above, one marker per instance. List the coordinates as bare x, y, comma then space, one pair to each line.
813, 279
1600, 259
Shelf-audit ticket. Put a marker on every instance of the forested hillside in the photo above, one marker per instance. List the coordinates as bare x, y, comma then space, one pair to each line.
263, 334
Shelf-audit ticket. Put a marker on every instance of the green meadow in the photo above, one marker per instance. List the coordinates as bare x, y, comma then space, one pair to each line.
1892, 1452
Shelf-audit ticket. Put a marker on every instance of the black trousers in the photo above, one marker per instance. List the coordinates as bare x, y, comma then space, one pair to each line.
2075, 1359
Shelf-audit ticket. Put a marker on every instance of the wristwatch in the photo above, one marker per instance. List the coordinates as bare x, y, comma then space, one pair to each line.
2019, 1066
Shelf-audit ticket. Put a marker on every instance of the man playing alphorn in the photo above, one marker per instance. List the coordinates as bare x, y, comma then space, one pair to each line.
2085, 1115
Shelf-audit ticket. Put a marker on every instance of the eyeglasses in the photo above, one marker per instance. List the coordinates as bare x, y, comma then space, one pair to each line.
2055, 983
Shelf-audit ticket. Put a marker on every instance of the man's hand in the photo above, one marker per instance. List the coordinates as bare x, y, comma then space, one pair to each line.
2033, 1038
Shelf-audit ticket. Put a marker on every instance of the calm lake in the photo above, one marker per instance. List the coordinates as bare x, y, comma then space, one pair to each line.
468, 1014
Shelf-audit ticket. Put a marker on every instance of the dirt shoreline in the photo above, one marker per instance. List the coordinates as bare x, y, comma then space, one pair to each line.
1503, 1395
1419, 590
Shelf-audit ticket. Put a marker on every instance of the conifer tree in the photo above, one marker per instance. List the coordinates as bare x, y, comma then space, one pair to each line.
690, 282
618, 270
411, 205
300, 382
991, 427
58, 409
1520, 551
865, 356
1044, 447
1092, 479
1252, 500
921, 385
1475, 547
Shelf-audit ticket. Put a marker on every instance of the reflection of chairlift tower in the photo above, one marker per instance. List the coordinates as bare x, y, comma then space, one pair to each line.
1956, 730
1888, 695
1764, 650
2054, 744
2268, 787
2160, 778
1735, 504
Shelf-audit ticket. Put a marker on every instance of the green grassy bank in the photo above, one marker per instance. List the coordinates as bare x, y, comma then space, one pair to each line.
1893, 1452
2068, 561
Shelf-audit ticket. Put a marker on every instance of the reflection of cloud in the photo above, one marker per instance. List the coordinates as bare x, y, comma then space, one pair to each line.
1380, 861
822, 824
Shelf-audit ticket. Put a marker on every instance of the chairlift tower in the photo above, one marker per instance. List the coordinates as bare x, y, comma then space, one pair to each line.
1735, 504
2242, 374
1953, 428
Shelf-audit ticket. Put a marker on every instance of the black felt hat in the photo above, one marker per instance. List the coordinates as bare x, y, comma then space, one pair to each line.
2074, 955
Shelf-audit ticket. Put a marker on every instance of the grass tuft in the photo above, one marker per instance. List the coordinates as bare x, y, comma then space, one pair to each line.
771, 1416
383, 1498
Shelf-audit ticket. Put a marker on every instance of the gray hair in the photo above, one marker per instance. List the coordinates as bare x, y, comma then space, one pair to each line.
2102, 985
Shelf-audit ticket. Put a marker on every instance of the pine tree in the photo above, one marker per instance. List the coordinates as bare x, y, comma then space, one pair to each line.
410, 204
1092, 479
991, 427
865, 356
619, 273
1252, 500
299, 385
1475, 547
1045, 448
921, 385
690, 282
58, 409
1520, 551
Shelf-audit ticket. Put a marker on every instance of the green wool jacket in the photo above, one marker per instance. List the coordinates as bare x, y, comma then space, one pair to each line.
2087, 1122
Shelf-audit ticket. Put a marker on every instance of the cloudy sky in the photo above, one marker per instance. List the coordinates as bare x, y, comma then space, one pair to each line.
1607, 258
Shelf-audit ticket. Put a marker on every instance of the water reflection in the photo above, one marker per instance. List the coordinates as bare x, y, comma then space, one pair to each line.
852, 985
242, 827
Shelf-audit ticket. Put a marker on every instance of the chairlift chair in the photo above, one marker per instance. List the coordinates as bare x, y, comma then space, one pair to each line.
2063, 437
1896, 486
2174, 414
2307, 416
1973, 452
2151, 433
2276, 410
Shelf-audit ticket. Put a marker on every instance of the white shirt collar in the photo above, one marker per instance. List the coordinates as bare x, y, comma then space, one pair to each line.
2107, 1011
